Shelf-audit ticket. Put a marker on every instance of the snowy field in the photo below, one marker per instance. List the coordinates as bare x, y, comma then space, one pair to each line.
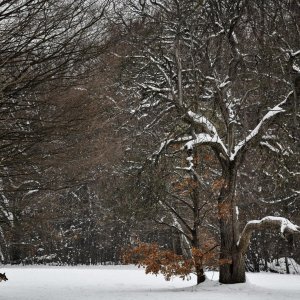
130, 283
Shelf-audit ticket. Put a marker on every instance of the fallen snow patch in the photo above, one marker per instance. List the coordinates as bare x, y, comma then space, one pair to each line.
127, 283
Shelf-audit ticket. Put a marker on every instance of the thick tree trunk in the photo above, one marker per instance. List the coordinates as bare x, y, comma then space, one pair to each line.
232, 263
233, 272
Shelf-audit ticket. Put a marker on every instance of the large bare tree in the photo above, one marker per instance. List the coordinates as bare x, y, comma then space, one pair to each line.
216, 74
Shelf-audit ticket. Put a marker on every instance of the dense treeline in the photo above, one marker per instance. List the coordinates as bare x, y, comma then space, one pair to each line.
162, 121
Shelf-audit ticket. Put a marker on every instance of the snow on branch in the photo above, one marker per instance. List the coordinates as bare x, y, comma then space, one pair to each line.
204, 138
272, 201
270, 222
168, 142
270, 147
203, 121
258, 129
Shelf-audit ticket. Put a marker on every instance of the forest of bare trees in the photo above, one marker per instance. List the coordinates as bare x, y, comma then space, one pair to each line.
165, 121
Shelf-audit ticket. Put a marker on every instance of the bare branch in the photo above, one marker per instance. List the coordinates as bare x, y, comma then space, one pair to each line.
262, 125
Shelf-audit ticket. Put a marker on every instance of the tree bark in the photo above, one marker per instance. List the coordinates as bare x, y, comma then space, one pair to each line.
232, 262
233, 246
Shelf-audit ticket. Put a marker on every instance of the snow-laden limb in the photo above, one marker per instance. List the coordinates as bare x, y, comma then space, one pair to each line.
270, 222
163, 72
295, 53
204, 138
257, 130
271, 200
168, 142
270, 147
203, 121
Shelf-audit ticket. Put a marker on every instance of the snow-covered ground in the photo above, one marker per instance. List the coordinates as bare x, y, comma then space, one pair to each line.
130, 283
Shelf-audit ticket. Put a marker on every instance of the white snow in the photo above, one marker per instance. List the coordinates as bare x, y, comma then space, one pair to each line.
237, 212
268, 145
204, 121
204, 137
285, 223
279, 265
296, 53
296, 68
130, 283
201, 138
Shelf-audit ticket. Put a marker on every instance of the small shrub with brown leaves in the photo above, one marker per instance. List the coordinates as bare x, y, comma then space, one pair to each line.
160, 261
